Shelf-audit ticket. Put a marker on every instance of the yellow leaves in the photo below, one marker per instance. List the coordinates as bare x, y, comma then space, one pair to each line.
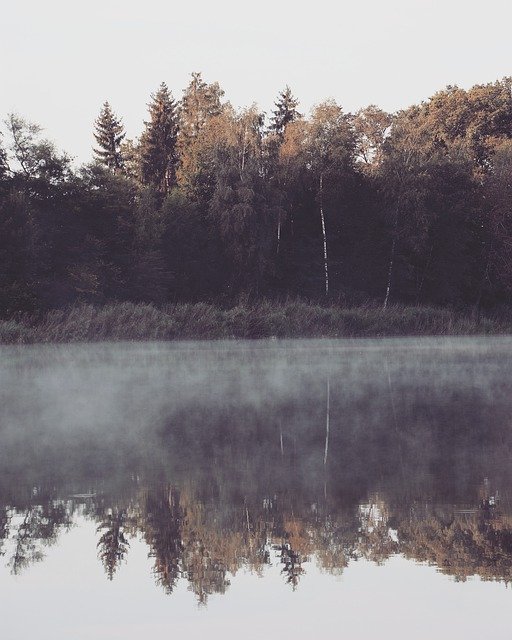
298, 537
295, 135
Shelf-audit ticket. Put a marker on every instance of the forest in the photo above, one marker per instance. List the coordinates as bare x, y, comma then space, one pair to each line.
217, 205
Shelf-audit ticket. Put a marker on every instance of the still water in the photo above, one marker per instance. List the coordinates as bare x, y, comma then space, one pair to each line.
289, 489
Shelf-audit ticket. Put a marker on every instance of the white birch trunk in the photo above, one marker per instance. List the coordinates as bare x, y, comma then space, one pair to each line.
324, 235
390, 272
393, 249
278, 231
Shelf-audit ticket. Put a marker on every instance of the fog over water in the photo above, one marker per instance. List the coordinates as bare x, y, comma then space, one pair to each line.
202, 484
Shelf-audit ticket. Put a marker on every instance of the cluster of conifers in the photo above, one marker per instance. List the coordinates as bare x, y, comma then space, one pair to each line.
211, 203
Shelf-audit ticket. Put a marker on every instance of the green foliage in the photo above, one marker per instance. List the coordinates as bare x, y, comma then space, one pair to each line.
476, 118
158, 154
210, 205
18, 254
33, 159
3, 160
284, 113
109, 134
242, 216
113, 544
200, 102
371, 126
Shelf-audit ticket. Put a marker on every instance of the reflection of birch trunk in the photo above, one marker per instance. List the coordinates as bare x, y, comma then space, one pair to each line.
248, 527
395, 419
392, 398
327, 421
324, 235
281, 437
278, 231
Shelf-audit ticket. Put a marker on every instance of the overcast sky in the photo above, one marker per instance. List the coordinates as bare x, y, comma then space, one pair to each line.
61, 59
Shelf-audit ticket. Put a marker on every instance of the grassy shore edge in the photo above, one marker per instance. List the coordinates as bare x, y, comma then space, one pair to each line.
295, 319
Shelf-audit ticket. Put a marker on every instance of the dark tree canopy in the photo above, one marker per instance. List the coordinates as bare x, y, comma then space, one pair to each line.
213, 203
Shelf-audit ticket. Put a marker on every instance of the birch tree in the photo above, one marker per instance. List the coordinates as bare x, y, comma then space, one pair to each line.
329, 147
495, 277
403, 172
371, 126
427, 192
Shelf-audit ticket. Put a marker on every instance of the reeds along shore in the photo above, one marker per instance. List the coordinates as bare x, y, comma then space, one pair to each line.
293, 319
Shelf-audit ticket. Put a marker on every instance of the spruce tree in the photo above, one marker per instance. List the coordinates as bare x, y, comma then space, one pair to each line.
158, 153
285, 112
109, 134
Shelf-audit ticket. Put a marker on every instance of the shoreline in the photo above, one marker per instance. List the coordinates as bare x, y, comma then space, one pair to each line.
126, 321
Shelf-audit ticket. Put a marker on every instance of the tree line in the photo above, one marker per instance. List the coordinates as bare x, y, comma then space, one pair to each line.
213, 203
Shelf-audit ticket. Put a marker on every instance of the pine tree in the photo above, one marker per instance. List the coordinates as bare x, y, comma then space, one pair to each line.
158, 153
285, 112
109, 134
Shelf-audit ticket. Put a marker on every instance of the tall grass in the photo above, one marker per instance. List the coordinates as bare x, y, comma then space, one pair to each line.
291, 319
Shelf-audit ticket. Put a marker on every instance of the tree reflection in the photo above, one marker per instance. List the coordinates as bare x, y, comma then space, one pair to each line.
4, 528
113, 544
470, 543
33, 528
160, 520
324, 471
205, 542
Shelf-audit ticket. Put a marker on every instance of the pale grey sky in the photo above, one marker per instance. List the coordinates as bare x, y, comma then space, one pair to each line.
61, 59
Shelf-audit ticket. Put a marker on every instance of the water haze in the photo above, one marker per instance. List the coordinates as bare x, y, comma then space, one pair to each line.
338, 488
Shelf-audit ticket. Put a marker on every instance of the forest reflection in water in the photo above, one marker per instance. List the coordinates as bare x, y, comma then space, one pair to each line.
229, 456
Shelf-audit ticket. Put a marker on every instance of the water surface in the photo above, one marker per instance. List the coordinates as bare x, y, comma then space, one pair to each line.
245, 489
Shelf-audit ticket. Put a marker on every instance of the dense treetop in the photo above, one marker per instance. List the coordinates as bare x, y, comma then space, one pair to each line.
211, 203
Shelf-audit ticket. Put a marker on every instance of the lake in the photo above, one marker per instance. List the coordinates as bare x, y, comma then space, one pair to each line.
278, 489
